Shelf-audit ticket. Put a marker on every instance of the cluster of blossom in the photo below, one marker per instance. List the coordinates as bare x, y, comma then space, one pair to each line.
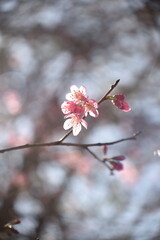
77, 108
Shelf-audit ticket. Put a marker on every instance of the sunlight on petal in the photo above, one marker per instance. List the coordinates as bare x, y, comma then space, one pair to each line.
67, 124
76, 129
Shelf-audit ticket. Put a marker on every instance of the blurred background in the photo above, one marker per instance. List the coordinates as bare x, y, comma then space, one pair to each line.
62, 192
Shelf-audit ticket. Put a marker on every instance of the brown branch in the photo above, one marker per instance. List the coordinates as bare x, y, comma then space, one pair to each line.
60, 143
101, 161
65, 136
93, 154
110, 90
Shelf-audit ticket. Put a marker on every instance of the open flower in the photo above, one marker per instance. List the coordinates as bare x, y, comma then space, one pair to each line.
91, 107
74, 121
77, 108
77, 94
118, 101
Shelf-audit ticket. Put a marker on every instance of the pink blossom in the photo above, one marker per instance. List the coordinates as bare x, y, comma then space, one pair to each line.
91, 107
118, 101
74, 121
77, 94
69, 107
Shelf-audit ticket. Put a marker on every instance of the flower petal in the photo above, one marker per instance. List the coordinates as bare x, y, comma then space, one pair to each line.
74, 88
91, 108
119, 97
93, 103
69, 115
64, 108
94, 113
83, 90
70, 97
68, 107
68, 124
79, 110
125, 107
76, 129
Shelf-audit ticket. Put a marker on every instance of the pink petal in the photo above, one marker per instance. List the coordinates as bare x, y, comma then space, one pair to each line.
94, 113
76, 129
119, 158
70, 97
122, 105
77, 94
120, 97
91, 108
126, 107
74, 88
91, 113
69, 115
83, 90
78, 109
67, 107
63, 108
68, 124
117, 103
93, 103
86, 114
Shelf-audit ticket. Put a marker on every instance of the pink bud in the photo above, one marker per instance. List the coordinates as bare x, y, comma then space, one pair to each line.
119, 158
105, 149
118, 101
120, 97
117, 165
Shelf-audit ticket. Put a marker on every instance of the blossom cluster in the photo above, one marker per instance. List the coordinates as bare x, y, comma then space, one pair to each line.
77, 108
115, 162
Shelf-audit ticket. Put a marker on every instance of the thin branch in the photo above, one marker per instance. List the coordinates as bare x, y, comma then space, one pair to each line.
110, 90
93, 154
60, 143
65, 136
101, 161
